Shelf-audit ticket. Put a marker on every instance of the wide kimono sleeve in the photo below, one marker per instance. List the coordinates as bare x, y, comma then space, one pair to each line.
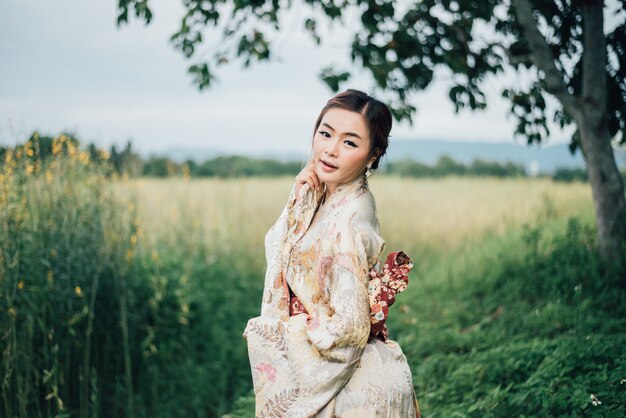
272, 236
324, 347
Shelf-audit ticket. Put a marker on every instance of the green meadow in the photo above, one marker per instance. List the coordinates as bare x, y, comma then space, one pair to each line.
127, 297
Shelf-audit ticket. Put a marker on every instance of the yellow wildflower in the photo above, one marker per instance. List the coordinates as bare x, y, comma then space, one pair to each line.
20, 284
129, 255
104, 154
57, 146
29, 169
83, 157
78, 291
133, 239
12, 312
50, 274
49, 176
30, 152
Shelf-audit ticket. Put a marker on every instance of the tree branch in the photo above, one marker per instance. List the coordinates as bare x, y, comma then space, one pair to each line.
542, 57
594, 91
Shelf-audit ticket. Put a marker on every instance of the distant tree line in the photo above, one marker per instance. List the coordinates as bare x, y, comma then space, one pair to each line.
224, 166
446, 166
126, 162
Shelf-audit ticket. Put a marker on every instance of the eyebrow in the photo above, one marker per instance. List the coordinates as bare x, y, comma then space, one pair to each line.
347, 133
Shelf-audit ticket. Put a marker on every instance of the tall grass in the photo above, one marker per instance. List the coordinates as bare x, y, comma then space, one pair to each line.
436, 214
95, 319
66, 243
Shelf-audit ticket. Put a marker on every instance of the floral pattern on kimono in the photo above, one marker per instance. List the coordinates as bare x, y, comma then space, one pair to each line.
381, 289
323, 364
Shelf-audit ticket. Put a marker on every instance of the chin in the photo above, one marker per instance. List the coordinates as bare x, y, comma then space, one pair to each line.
326, 177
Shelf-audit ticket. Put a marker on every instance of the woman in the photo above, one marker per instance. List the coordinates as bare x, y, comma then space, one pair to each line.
310, 349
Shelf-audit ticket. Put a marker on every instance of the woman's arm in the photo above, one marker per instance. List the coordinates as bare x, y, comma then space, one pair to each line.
324, 348
345, 321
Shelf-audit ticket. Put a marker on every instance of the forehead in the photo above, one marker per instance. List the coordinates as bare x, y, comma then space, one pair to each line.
343, 121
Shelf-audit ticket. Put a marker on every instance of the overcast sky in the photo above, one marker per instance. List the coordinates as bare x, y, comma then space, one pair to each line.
66, 66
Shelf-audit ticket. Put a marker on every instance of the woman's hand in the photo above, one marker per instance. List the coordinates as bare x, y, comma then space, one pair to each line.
308, 176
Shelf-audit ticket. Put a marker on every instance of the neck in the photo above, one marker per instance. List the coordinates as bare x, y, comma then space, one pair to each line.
330, 189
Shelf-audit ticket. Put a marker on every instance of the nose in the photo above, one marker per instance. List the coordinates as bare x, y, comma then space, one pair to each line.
331, 148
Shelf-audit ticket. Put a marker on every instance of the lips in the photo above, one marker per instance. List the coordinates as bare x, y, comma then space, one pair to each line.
328, 165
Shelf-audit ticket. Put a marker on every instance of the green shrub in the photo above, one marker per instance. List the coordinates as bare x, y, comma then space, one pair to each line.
534, 329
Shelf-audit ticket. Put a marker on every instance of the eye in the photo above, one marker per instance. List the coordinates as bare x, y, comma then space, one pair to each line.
324, 134
350, 143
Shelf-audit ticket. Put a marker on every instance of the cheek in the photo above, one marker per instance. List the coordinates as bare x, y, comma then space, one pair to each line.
356, 160
316, 146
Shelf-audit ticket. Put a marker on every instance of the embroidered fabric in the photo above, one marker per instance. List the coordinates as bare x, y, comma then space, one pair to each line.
382, 288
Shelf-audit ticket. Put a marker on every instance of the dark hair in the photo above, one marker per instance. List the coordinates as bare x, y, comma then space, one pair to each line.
376, 114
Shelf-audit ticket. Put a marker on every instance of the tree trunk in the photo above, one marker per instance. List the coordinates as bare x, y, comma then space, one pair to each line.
605, 179
589, 110
606, 183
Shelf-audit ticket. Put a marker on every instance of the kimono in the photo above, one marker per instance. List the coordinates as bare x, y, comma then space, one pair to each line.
323, 363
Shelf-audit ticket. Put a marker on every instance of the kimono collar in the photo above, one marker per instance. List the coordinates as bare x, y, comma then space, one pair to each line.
303, 207
346, 189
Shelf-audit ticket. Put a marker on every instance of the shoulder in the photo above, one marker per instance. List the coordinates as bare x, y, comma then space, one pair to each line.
357, 218
359, 211
357, 224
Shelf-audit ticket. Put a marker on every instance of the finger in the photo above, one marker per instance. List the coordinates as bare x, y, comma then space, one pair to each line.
316, 180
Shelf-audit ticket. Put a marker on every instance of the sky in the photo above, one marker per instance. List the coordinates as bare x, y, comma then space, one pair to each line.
66, 66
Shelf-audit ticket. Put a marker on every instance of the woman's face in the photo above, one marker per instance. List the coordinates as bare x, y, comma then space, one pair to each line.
341, 147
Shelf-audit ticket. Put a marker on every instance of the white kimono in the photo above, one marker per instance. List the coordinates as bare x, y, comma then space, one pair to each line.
321, 364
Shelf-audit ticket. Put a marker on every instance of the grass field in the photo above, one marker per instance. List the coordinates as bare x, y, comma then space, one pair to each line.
128, 297
439, 215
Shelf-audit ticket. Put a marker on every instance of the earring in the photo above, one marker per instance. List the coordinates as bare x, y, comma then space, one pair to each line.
368, 172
